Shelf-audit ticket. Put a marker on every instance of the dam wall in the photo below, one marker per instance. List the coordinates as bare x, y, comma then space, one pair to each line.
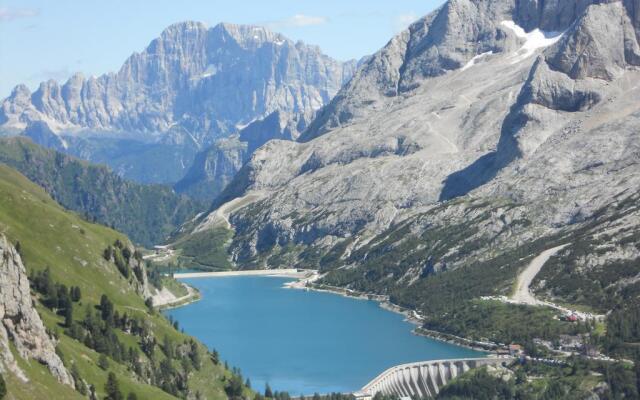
422, 379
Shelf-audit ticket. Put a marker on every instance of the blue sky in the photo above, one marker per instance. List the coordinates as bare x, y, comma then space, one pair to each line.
42, 39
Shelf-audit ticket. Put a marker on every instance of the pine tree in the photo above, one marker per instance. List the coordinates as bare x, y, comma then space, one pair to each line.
103, 362
267, 391
234, 387
3, 388
106, 309
108, 253
81, 387
76, 294
215, 357
92, 393
112, 388
68, 316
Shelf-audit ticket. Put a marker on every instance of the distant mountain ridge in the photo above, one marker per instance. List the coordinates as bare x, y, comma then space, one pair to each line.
206, 80
214, 168
147, 213
190, 86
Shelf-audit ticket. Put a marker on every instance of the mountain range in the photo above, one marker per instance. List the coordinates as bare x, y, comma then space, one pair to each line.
481, 129
189, 87
430, 174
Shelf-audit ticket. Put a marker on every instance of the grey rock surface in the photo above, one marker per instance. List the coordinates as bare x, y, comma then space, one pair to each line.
215, 167
192, 84
20, 323
206, 79
491, 102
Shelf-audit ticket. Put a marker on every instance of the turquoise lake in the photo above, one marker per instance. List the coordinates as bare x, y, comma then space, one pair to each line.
303, 341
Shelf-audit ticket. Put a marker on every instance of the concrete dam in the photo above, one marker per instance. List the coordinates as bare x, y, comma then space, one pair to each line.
422, 379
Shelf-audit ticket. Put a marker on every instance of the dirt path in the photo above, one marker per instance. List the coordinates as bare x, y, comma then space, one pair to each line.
221, 215
523, 294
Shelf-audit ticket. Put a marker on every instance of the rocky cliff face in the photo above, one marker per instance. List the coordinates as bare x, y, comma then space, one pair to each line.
216, 166
189, 87
206, 79
21, 325
519, 115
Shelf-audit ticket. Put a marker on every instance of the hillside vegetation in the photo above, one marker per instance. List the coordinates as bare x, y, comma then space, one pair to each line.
110, 330
146, 213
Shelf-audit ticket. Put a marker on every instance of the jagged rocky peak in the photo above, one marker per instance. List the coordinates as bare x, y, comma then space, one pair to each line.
462, 31
550, 15
601, 44
183, 30
249, 35
188, 76
20, 324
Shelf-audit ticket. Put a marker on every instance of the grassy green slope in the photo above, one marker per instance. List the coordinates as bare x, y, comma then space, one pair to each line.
147, 213
206, 249
51, 236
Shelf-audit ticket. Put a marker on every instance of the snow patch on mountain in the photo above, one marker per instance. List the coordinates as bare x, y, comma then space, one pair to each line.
535, 40
475, 59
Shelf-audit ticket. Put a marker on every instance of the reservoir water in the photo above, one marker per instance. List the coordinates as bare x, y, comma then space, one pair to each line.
303, 341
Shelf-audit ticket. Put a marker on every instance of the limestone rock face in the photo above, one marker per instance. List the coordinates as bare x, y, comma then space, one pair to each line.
190, 87
207, 80
531, 102
20, 323
550, 15
595, 48
215, 167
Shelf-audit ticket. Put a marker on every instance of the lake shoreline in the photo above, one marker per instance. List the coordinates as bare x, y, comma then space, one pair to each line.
363, 326
285, 273
193, 295
305, 280
410, 316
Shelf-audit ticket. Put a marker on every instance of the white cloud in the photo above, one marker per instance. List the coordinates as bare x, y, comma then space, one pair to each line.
402, 21
297, 21
10, 14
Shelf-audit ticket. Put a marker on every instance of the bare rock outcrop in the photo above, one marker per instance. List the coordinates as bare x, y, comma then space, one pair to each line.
530, 101
20, 323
